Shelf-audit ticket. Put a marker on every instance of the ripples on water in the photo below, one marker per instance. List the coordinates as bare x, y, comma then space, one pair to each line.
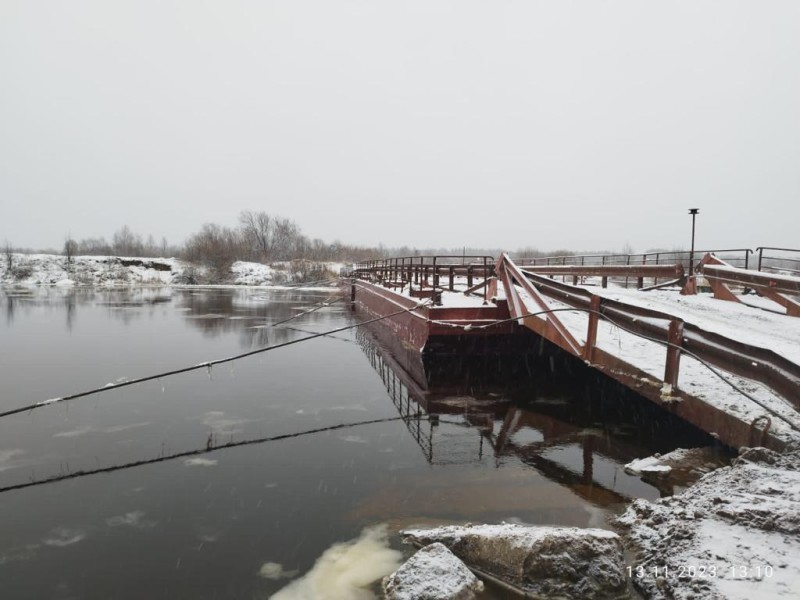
245, 521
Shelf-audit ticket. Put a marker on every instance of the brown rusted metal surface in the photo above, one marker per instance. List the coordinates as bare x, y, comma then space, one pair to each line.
779, 374
509, 273
650, 271
777, 288
728, 428
415, 327
785, 284
673, 364
411, 326
758, 364
591, 335
426, 271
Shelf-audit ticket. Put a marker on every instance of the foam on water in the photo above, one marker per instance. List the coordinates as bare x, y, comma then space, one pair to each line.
345, 570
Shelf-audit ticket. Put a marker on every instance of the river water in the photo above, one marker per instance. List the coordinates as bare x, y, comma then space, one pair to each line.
326, 439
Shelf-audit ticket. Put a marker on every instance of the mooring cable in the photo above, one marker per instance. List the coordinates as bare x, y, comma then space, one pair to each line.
207, 364
311, 310
198, 451
668, 344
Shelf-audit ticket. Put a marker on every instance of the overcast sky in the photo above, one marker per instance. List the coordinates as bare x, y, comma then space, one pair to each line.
500, 123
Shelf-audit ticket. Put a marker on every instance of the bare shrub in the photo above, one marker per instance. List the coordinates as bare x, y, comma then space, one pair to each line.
215, 247
22, 269
305, 271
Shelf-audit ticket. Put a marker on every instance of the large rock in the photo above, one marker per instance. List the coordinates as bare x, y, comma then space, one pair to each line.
433, 573
549, 561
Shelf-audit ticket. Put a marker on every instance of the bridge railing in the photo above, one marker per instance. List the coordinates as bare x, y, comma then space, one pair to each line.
738, 257
762, 365
784, 261
426, 275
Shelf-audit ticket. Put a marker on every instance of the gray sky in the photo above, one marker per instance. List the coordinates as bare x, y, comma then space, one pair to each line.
582, 125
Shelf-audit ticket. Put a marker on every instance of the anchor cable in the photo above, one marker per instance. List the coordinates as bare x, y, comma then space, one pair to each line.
210, 363
209, 448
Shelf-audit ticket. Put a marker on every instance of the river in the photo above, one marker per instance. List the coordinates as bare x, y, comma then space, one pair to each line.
324, 439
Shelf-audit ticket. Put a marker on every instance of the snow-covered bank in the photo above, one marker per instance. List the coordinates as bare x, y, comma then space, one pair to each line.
51, 269
735, 534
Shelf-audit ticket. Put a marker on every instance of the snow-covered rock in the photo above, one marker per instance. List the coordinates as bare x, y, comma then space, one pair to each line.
564, 562
433, 573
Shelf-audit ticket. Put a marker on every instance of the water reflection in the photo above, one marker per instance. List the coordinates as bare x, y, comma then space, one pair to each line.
253, 315
574, 435
214, 312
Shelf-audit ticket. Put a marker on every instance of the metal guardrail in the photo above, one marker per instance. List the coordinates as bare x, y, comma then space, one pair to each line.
736, 256
431, 273
671, 272
758, 364
779, 260
779, 287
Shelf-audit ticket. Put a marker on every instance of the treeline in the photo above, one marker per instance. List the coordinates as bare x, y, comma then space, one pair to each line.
258, 237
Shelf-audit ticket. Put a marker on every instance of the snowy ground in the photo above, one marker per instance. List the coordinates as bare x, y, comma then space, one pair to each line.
51, 269
733, 535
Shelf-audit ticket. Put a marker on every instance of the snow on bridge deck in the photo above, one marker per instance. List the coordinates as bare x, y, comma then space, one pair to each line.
751, 325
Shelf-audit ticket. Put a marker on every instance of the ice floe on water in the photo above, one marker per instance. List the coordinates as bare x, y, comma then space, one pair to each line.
133, 519
74, 432
62, 536
275, 571
84, 429
353, 439
200, 462
346, 570
221, 424
6, 457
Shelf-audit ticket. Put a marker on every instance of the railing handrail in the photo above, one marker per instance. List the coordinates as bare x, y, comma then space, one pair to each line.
434, 259
740, 358
634, 254
775, 248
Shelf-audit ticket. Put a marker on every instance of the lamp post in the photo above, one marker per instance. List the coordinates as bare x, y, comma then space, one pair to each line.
690, 285
693, 212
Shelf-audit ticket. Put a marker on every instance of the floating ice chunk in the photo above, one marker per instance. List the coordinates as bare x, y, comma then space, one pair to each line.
132, 519
62, 536
273, 570
651, 464
200, 462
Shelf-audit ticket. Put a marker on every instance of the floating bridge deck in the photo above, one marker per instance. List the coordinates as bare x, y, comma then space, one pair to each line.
726, 360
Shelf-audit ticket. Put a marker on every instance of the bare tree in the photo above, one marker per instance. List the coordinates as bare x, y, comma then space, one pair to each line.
284, 234
257, 230
94, 246
8, 251
126, 243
